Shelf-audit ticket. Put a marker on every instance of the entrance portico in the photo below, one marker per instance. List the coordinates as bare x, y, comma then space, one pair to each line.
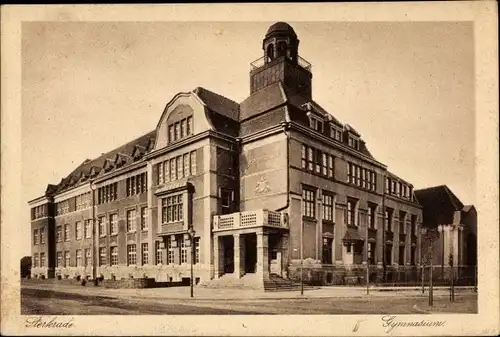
250, 242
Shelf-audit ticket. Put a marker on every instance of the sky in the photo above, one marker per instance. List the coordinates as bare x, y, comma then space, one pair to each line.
406, 87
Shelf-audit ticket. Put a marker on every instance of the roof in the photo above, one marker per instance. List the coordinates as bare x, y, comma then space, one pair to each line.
468, 208
281, 28
219, 103
439, 205
125, 152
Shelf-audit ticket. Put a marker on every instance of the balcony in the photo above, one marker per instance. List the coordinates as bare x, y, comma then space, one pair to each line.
250, 219
261, 61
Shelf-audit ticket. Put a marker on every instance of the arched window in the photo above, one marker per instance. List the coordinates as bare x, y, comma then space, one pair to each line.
270, 52
282, 47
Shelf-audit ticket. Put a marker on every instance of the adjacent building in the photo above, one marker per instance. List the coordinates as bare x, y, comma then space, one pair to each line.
265, 184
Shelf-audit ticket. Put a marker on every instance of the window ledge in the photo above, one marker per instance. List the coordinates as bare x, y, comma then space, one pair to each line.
305, 217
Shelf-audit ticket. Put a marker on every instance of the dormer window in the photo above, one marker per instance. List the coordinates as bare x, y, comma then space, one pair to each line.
316, 124
335, 133
353, 142
180, 129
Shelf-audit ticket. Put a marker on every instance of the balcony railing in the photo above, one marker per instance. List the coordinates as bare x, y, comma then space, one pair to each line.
249, 219
261, 61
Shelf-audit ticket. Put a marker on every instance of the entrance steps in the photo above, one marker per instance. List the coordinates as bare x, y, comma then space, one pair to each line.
253, 281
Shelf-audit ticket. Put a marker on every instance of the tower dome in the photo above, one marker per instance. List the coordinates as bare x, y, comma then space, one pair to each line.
281, 28
280, 41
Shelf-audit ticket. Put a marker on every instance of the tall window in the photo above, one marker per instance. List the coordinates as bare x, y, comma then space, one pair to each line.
330, 166
58, 233
145, 253
42, 235
82, 201
102, 225
187, 167
158, 252
304, 157
39, 212
388, 220
402, 222
310, 159
401, 260
113, 220
308, 206
131, 220
114, 256
79, 258
88, 229
35, 260
327, 250
131, 255
371, 252
78, 230
59, 259
88, 257
137, 184
172, 208
328, 207
66, 232
351, 212
197, 250
67, 258
107, 193
102, 256
372, 215
62, 207
144, 218
180, 129
324, 164
35, 236
184, 251
42, 259
180, 167
170, 251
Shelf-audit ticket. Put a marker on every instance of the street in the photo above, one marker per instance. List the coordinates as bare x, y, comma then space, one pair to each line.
56, 302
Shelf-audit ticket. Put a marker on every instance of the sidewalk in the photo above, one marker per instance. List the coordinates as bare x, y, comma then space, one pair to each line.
240, 294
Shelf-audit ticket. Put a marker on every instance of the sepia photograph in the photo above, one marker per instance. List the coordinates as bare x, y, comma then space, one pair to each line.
233, 167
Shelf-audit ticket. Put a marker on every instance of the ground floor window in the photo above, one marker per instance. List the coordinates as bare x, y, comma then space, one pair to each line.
88, 256
114, 256
102, 256
35, 260
183, 251
79, 257
401, 255
170, 251
67, 258
197, 250
327, 250
131, 255
388, 254
413, 255
42, 259
145, 253
159, 254
59, 259
371, 253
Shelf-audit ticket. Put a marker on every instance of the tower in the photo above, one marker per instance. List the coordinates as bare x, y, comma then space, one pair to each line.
281, 62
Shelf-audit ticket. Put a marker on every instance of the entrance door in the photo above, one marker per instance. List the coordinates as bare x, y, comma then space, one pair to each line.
250, 252
228, 242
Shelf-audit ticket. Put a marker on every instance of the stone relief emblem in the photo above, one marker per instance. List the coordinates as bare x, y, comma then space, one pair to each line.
262, 186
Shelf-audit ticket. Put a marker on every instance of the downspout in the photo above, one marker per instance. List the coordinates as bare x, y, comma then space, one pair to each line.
286, 126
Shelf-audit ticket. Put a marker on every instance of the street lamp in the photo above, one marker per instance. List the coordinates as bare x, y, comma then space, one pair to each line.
191, 232
94, 268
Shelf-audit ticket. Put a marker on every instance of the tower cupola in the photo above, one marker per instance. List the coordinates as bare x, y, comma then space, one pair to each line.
280, 41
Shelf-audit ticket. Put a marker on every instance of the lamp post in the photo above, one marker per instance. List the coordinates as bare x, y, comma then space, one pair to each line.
94, 262
191, 232
441, 229
302, 258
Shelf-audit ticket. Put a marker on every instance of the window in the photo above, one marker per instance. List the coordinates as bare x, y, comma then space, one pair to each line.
145, 253
58, 233
172, 208
327, 250
177, 131
38, 212
82, 201
35, 260
79, 258
401, 260
372, 215
138, 184
102, 256
317, 161
173, 170
181, 129
42, 259
113, 220
335, 133
353, 142
388, 220
402, 221
131, 221
304, 157
351, 212
160, 172
226, 201
170, 251
35, 236
102, 225
330, 166
310, 159
159, 253
88, 229
42, 235
186, 164
189, 126
328, 207
59, 259
114, 256
180, 167
171, 135
371, 252
62, 207
66, 233
413, 224
131, 255
78, 230
88, 257
324, 162
316, 124
361, 177
67, 258
196, 250
144, 218
107, 193
387, 184
308, 206
183, 251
